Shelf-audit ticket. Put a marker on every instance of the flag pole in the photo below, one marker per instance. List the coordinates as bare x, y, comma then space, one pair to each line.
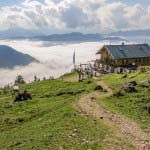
74, 59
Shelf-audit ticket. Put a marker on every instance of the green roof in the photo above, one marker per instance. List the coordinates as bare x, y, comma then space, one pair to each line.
128, 51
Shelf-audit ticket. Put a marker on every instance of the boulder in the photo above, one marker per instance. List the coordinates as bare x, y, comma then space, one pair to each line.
129, 87
133, 83
145, 83
98, 88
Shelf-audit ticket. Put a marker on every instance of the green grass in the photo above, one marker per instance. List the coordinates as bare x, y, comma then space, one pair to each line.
52, 122
72, 74
132, 103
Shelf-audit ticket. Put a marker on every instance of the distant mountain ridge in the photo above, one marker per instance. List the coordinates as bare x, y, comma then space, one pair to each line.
18, 34
9, 57
76, 36
131, 33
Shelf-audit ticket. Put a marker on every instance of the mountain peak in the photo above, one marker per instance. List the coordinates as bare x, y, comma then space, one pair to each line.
10, 57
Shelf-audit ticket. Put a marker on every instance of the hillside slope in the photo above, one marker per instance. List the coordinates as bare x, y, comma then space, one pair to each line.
135, 105
10, 58
51, 121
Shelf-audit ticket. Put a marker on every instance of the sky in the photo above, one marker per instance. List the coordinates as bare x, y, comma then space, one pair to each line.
87, 16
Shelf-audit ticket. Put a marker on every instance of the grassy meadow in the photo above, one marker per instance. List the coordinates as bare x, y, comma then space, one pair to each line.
50, 120
132, 105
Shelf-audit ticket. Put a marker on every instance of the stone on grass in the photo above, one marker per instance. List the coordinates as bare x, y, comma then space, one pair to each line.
98, 88
20, 120
119, 93
89, 82
128, 87
79, 91
93, 98
134, 83
119, 105
145, 83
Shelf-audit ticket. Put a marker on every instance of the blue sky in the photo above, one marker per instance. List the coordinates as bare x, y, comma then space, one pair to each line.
75, 15
130, 2
8, 2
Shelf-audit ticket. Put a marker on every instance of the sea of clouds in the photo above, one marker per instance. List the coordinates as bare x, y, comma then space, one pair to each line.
55, 59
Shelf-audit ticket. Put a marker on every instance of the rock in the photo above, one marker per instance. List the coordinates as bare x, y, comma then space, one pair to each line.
98, 88
79, 91
101, 117
49, 135
74, 135
105, 91
75, 130
89, 82
133, 83
40, 119
110, 118
132, 77
128, 87
147, 108
17, 143
119, 93
20, 120
93, 98
85, 142
145, 83
70, 92
119, 105
124, 76
60, 94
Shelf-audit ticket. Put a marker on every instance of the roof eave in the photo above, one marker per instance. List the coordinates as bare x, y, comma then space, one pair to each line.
130, 58
99, 50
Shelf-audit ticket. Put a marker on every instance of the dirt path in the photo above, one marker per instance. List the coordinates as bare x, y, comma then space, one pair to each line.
124, 126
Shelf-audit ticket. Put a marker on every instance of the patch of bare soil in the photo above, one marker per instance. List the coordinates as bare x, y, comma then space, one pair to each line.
124, 127
71, 79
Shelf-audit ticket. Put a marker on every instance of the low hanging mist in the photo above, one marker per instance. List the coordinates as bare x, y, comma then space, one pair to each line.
54, 59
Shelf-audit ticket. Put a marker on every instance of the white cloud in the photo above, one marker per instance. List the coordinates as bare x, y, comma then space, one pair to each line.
81, 15
55, 60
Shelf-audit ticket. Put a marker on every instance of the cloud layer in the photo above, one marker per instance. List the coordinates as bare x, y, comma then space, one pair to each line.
75, 15
54, 60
